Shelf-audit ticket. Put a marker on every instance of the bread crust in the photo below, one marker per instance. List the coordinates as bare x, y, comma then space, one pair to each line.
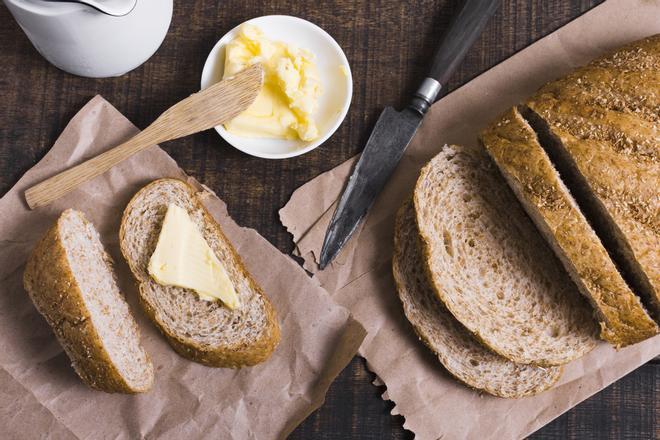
50, 283
602, 121
232, 356
513, 145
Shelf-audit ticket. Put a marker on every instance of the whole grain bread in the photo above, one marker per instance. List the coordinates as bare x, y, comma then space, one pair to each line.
601, 130
69, 278
458, 351
491, 268
514, 146
203, 331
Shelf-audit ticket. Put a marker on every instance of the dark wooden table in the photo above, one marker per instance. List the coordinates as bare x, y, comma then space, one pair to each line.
388, 44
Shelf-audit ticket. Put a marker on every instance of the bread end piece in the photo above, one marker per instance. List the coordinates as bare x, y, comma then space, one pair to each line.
72, 312
515, 148
599, 126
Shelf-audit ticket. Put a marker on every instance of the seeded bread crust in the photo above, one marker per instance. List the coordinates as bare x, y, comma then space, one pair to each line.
152, 200
603, 119
50, 283
514, 146
458, 351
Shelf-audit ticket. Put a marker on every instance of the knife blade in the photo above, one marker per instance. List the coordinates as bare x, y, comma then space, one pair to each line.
394, 130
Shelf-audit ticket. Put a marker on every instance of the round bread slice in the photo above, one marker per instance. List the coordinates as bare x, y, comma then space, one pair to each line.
69, 278
490, 266
458, 351
204, 331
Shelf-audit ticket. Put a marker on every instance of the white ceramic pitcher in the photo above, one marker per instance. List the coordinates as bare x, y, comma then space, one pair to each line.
84, 41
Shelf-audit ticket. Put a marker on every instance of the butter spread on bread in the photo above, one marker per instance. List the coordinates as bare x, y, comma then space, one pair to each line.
203, 331
183, 258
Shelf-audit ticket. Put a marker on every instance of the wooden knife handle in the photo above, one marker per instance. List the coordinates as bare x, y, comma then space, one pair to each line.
463, 31
64, 182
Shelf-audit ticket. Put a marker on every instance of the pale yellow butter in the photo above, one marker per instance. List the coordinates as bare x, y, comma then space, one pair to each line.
285, 107
183, 258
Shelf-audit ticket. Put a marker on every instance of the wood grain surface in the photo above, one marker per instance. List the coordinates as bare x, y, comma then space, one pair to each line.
388, 44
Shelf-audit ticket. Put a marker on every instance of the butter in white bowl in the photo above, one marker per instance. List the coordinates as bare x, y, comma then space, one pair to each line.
289, 99
308, 85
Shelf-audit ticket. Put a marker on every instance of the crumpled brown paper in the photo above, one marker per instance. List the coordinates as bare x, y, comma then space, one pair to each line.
434, 405
41, 395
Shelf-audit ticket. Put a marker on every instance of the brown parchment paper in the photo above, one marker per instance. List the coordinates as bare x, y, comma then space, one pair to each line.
40, 395
434, 405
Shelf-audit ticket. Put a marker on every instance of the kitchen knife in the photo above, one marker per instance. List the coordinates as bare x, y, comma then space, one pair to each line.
394, 130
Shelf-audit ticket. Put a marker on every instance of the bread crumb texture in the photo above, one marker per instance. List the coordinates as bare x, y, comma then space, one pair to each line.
457, 350
69, 278
490, 267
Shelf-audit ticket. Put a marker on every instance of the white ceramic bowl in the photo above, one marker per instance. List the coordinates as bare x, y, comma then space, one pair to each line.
337, 87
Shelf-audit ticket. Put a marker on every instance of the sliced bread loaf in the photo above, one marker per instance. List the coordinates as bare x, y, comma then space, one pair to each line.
70, 280
491, 268
514, 146
458, 351
203, 331
599, 126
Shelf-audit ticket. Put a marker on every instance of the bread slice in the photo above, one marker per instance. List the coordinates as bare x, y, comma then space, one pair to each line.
491, 268
458, 351
514, 146
70, 279
603, 138
203, 331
